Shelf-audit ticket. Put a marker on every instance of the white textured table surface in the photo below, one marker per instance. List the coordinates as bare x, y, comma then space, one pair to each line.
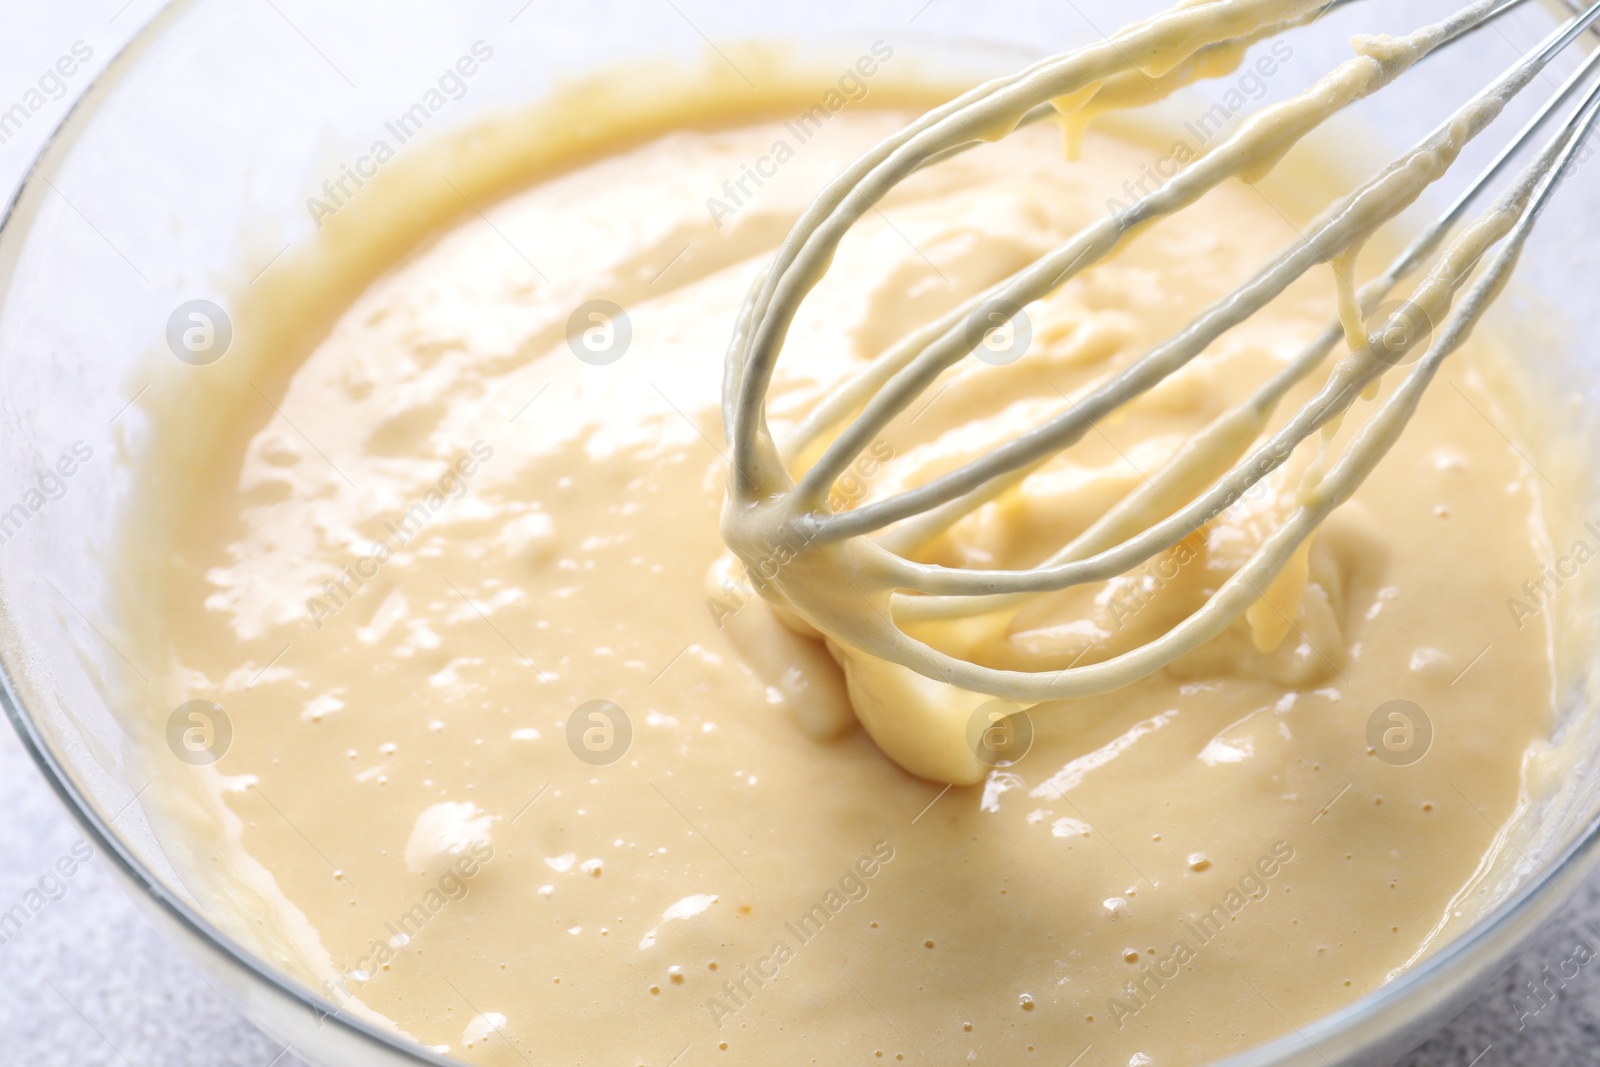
87, 981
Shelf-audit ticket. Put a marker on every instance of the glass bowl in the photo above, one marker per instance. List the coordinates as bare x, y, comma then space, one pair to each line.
184, 174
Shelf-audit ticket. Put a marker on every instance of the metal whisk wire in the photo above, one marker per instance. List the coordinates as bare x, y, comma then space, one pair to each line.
768, 505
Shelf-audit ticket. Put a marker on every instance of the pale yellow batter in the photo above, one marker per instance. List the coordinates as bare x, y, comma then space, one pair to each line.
411, 561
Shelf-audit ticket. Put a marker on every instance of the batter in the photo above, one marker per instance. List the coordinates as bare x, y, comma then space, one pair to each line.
510, 775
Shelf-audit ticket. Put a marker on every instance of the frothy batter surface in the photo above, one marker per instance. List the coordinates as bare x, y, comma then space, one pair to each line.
451, 532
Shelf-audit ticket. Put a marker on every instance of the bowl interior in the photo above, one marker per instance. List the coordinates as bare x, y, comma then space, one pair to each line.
188, 173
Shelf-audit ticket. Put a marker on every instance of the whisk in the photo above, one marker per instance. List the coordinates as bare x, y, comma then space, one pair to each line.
847, 572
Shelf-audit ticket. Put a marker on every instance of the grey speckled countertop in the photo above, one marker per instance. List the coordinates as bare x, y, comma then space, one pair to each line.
89, 982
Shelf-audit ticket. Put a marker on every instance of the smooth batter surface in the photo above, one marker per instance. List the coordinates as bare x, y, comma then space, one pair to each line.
1177, 870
